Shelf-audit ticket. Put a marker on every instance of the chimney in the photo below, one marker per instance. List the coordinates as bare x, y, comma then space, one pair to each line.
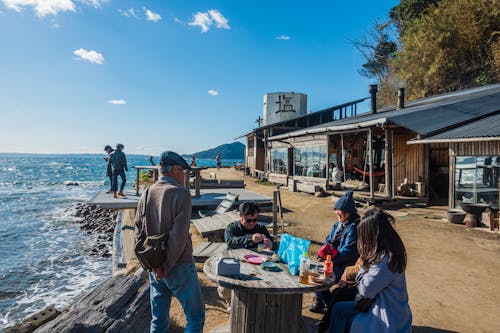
401, 98
373, 89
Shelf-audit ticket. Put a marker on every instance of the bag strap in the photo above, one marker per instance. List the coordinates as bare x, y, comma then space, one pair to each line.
144, 207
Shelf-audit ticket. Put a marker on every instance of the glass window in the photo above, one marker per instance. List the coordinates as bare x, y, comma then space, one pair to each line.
279, 160
310, 161
476, 179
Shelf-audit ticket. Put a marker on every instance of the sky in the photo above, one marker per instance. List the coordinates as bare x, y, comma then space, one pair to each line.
180, 75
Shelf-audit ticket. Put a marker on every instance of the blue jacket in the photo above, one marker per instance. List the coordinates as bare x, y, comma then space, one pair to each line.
347, 247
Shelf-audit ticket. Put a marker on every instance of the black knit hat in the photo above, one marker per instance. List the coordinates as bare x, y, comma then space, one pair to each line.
346, 203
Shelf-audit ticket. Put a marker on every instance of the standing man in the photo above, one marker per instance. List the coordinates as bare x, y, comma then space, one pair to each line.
218, 161
109, 172
118, 162
247, 233
168, 210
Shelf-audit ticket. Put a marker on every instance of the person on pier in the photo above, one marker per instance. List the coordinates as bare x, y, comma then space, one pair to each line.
118, 162
109, 171
168, 211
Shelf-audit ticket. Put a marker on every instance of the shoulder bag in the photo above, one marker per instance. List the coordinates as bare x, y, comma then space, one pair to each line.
150, 250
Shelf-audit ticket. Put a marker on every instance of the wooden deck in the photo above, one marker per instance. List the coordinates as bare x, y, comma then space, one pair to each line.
208, 198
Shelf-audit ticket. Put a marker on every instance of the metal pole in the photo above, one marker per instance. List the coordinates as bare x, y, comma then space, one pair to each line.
370, 163
389, 186
275, 213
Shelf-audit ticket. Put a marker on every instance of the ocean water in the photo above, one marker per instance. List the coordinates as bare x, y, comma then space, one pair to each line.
43, 253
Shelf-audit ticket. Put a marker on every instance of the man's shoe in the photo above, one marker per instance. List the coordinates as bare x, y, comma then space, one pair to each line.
114, 195
318, 306
121, 194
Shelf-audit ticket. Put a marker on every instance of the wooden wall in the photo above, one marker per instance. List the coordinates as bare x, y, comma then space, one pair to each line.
409, 160
483, 148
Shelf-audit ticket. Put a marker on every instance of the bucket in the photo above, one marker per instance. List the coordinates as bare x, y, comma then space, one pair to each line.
456, 216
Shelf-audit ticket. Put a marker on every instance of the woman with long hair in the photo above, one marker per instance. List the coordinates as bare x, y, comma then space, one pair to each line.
381, 304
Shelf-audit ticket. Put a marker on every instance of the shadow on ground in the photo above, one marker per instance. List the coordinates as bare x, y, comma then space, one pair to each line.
426, 329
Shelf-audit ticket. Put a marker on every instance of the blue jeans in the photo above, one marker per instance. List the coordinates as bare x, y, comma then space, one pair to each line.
342, 315
182, 282
114, 180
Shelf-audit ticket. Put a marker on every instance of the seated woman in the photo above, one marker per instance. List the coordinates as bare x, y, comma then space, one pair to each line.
342, 239
381, 304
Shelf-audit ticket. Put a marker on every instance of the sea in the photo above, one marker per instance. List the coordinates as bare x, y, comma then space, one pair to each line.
44, 257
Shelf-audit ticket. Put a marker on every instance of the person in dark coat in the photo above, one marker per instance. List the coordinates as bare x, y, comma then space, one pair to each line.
118, 162
247, 233
342, 238
109, 172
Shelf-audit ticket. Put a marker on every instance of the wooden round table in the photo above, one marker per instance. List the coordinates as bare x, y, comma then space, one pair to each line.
262, 301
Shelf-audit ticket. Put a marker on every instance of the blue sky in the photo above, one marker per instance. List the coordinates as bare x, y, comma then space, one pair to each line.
168, 75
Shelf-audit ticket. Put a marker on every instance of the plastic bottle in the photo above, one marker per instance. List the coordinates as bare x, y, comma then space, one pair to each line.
328, 267
303, 268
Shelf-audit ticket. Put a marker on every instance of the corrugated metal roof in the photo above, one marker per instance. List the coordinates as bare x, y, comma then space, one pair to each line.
425, 116
487, 128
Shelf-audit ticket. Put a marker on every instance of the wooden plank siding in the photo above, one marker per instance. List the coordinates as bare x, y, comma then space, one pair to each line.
409, 160
483, 148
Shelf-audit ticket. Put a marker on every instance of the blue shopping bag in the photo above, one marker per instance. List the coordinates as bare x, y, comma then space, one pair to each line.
290, 250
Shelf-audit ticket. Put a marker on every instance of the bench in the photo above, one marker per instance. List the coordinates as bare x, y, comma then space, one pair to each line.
207, 249
212, 227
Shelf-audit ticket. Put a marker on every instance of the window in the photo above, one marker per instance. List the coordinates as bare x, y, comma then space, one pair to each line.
279, 161
476, 179
310, 161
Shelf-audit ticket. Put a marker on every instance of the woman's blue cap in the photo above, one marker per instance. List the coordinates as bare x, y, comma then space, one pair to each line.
346, 203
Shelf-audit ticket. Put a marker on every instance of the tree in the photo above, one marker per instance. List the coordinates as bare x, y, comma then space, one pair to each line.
453, 46
377, 50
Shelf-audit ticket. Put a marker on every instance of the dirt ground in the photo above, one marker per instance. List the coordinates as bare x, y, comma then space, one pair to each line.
453, 272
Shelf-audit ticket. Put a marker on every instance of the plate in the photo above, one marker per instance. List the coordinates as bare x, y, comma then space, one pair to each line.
271, 266
254, 259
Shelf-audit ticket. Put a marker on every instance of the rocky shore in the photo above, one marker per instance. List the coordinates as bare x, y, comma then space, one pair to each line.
98, 223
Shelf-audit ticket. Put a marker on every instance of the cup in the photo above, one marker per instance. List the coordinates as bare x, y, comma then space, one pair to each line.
260, 247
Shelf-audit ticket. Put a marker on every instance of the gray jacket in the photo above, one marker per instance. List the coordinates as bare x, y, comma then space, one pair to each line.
390, 311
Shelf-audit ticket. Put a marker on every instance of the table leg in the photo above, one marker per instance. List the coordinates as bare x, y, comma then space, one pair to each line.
137, 179
263, 313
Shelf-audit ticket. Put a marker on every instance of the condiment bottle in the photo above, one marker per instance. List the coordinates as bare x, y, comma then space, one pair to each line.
328, 267
303, 268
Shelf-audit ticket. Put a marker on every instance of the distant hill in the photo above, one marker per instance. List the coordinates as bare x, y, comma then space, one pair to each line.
231, 151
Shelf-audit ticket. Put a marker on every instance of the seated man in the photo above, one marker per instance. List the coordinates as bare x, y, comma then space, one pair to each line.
247, 233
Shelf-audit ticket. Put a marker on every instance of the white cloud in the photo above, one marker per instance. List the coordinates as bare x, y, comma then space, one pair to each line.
283, 37
49, 7
207, 19
117, 101
152, 16
90, 56
42, 7
220, 20
128, 13
213, 92
177, 20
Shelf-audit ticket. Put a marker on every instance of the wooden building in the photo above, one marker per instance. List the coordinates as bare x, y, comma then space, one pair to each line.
473, 156
376, 143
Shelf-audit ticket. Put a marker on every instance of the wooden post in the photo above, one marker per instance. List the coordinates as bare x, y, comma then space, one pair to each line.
275, 213
137, 180
197, 182
186, 179
389, 185
155, 175
370, 163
